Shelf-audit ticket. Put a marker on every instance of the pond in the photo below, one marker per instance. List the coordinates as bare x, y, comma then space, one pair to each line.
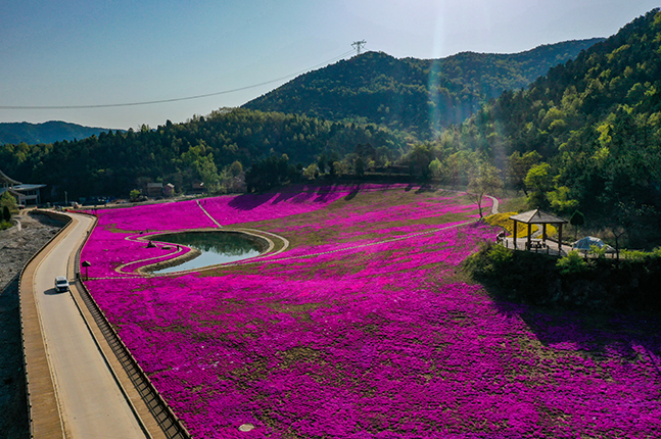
215, 247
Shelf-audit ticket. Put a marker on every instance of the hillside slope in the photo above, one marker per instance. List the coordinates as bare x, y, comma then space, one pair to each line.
596, 122
413, 94
47, 132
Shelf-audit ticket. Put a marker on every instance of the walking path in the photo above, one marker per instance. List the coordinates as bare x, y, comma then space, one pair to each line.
495, 204
208, 214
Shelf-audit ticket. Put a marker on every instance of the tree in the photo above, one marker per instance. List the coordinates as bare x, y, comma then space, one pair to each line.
538, 181
576, 220
485, 180
519, 166
560, 201
311, 172
333, 165
6, 214
420, 158
624, 218
8, 201
236, 168
359, 167
134, 195
321, 164
436, 169
270, 172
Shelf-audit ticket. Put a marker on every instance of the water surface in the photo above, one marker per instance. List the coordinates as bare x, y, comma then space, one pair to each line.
215, 247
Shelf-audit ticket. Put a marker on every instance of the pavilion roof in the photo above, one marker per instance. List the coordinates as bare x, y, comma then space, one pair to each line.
537, 217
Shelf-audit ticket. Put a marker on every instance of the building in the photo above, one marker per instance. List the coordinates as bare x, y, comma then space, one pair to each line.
160, 190
154, 189
168, 190
198, 188
26, 194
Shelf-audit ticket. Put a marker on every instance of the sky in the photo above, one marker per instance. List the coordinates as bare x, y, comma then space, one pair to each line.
104, 52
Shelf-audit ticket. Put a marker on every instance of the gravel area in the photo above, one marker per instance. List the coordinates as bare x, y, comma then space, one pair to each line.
16, 247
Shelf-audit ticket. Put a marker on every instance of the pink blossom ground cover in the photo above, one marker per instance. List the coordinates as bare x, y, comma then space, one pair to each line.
225, 210
378, 341
108, 251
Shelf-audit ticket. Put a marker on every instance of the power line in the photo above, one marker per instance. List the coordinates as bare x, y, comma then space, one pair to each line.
162, 101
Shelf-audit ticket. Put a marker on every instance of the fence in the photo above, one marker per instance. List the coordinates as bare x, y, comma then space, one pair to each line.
171, 425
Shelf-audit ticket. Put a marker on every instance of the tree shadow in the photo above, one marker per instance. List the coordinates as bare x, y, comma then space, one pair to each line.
285, 196
595, 333
354, 191
426, 187
250, 201
326, 193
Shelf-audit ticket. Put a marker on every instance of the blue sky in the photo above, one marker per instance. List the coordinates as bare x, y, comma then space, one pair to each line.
97, 52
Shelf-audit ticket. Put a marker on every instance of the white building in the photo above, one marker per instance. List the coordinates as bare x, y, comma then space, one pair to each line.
26, 194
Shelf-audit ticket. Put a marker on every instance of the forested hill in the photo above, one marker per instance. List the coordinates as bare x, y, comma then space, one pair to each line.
593, 128
413, 94
48, 132
202, 149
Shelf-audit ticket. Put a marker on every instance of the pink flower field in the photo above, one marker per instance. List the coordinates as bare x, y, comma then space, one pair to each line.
364, 328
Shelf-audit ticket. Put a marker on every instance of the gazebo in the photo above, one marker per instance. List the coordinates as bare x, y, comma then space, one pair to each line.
537, 217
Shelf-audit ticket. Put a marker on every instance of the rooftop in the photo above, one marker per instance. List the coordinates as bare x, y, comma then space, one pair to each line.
537, 217
27, 187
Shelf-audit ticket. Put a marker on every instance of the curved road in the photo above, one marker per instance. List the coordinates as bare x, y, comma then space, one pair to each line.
90, 401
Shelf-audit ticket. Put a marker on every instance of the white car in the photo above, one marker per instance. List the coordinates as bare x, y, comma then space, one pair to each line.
61, 284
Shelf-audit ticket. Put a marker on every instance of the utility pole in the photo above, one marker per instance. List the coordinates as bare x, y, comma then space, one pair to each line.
358, 45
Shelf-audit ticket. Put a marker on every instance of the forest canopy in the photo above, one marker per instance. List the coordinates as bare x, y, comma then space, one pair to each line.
114, 163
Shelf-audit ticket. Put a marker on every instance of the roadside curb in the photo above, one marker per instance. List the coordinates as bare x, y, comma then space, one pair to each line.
43, 409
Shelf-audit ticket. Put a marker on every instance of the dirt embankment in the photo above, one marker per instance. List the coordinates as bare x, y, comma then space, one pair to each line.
16, 247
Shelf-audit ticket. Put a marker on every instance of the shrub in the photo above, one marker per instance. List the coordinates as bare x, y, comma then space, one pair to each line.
490, 260
600, 252
635, 255
573, 263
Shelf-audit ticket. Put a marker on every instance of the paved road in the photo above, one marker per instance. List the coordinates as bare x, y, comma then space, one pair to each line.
91, 403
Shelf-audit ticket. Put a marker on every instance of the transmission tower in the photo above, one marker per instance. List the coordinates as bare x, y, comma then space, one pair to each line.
358, 45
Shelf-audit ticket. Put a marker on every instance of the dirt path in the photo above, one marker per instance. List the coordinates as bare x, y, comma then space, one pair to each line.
495, 204
208, 214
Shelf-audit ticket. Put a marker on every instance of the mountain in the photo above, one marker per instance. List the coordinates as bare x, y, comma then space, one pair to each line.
48, 132
411, 94
596, 124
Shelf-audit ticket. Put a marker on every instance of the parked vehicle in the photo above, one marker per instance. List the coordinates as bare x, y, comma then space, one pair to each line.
61, 284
